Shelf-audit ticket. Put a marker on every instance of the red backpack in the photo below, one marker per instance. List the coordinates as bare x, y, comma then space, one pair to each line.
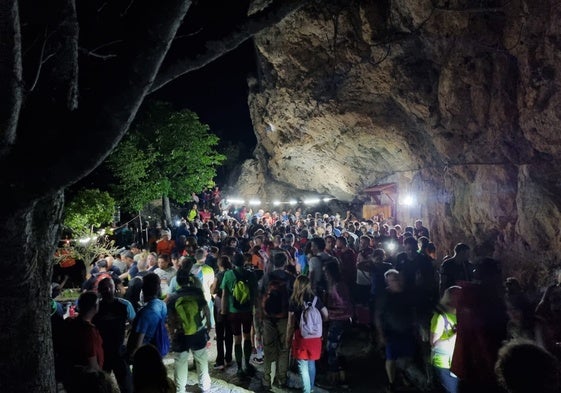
98, 277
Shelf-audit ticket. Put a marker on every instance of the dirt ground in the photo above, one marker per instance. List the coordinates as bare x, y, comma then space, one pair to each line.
365, 371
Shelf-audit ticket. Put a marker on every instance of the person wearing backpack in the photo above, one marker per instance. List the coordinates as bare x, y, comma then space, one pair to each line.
101, 273
276, 290
239, 297
189, 321
305, 329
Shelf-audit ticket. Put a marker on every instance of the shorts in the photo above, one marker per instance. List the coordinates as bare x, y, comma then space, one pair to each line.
306, 348
400, 346
240, 322
195, 342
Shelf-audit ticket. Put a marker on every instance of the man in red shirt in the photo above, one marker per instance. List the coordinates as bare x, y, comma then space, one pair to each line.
165, 245
82, 341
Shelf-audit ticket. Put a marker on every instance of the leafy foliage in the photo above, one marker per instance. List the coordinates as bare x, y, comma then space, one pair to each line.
87, 246
167, 153
89, 208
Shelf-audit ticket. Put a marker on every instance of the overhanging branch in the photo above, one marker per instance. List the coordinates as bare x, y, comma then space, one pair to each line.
274, 13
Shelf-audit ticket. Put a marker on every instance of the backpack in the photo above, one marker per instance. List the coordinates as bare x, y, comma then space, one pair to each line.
161, 338
241, 293
275, 300
311, 323
98, 277
189, 313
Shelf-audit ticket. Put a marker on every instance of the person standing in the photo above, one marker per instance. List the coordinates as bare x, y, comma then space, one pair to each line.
305, 350
111, 320
165, 271
240, 315
134, 288
149, 317
316, 264
165, 245
443, 338
340, 309
149, 373
276, 290
455, 268
189, 321
83, 345
395, 321
205, 274
224, 337
482, 328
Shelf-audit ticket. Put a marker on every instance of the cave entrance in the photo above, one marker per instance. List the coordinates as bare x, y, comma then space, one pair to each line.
382, 203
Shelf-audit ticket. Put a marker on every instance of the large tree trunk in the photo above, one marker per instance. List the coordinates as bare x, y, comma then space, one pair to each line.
52, 135
28, 242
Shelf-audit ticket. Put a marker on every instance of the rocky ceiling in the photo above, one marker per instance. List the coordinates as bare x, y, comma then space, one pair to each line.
458, 101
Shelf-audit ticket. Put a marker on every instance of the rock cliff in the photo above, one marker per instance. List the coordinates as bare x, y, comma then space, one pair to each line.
456, 101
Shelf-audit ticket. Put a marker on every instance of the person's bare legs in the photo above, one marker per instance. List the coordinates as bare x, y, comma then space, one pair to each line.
390, 371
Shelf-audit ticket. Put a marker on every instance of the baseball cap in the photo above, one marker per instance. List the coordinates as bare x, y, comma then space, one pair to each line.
101, 263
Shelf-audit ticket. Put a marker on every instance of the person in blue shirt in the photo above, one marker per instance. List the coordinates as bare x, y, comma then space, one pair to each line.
149, 316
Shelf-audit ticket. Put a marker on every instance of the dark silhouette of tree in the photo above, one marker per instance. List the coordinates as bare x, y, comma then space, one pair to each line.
73, 75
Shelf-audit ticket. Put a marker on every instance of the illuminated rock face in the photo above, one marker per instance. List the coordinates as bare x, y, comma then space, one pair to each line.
459, 105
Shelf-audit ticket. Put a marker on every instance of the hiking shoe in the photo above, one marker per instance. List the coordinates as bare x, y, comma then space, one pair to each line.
281, 385
250, 370
390, 388
218, 366
325, 385
266, 386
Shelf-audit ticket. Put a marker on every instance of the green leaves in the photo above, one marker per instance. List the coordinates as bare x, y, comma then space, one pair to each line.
89, 208
166, 153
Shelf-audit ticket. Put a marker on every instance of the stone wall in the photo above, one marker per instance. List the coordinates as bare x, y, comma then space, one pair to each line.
457, 101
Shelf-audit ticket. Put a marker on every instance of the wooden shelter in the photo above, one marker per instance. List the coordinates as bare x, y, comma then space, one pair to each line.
383, 201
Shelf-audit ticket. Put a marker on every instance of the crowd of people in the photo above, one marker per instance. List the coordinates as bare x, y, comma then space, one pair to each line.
286, 288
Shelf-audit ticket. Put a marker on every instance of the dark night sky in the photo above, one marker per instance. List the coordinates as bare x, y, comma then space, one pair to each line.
218, 94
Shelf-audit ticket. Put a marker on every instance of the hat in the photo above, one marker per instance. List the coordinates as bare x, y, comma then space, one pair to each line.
127, 254
101, 263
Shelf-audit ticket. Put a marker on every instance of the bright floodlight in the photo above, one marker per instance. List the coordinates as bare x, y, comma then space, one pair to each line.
311, 201
276, 203
408, 200
326, 199
391, 246
235, 201
254, 202
292, 202
177, 222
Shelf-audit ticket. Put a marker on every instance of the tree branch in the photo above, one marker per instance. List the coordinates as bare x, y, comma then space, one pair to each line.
84, 137
10, 73
274, 13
